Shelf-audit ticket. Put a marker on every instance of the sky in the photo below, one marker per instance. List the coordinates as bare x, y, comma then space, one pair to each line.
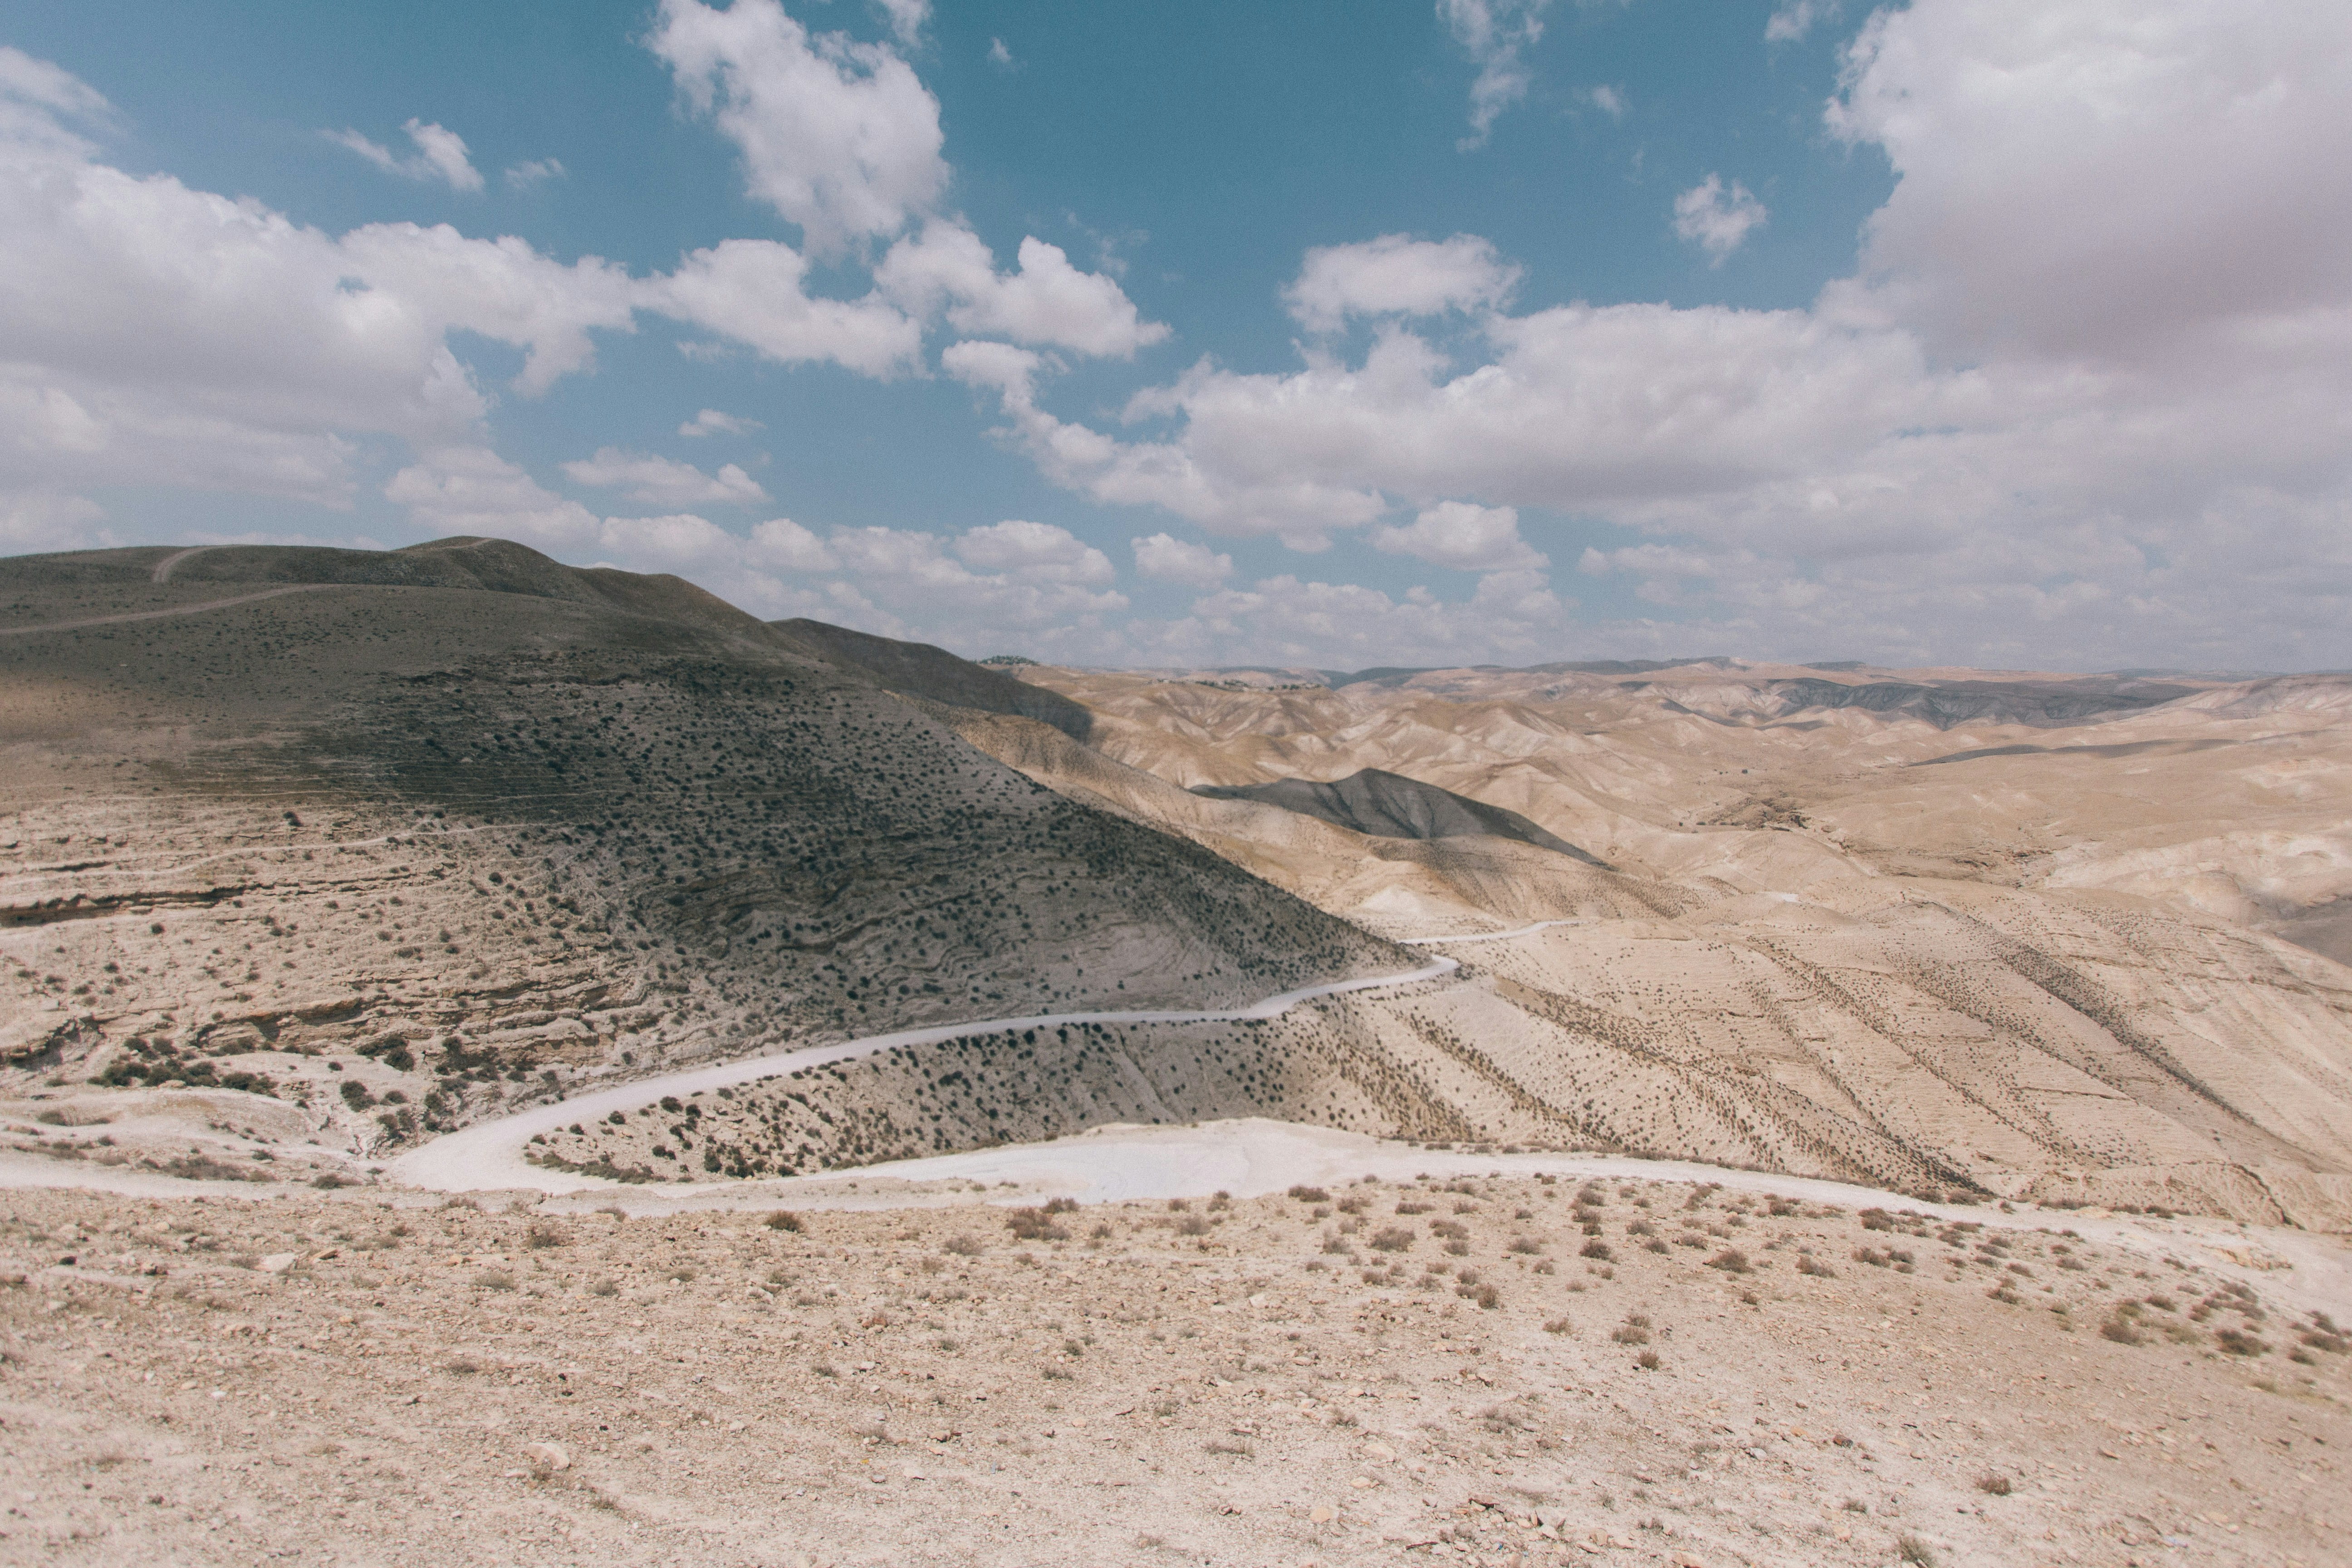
2008, 333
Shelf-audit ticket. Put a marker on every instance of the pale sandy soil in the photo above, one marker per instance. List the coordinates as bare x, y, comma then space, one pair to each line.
339, 1377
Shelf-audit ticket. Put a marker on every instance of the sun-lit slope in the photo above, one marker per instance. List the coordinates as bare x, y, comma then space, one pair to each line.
2000, 944
472, 826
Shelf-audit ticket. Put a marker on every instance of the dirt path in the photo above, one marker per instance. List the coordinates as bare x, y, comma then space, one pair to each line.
164, 567
174, 610
488, 1155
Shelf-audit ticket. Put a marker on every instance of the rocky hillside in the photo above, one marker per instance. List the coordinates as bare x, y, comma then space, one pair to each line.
305, 853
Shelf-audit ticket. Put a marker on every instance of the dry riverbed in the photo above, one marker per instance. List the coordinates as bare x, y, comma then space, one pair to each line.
1496, 1369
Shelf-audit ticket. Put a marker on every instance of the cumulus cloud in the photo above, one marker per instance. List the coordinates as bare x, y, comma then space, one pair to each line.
1716, 218
1464, 537
535, 171
2081, 402
753, 291
156, 334
1512, 617
1048, 302
151, 333
662, 481
1494, 33
999, 56
837, 136
440, 155
906, 18
1165, 557
1036, 551
1397, 275
1609, 101
711, 422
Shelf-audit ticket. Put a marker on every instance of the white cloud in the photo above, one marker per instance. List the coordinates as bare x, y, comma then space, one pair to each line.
37, 96
906, 18
1512, 617
154, 334
1397, 275
840, 137
661, 481
1494, 33
535, 171
782, 545
1464, 537
1792, 19
1048, 301
440, 155
2081, 406
1037, 552
999, 56
1609, 101
711, 422
1716, 219
1167, 559
751, 290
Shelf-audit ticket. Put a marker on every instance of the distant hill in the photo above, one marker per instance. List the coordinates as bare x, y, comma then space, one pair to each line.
1390, 806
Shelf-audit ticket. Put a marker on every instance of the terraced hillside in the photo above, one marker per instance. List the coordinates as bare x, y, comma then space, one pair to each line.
304, 854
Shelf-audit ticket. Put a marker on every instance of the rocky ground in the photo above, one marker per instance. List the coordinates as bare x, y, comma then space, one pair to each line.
1496, 1369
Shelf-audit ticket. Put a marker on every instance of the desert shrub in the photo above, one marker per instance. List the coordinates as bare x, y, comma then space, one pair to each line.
1525, 1245
1193, 1225
1731, 1260
1631, 1334
1557, 1326
1032, 1224
963, 1244
603, 1287
1307, 1195
1915, 1552
1808, 1264
1392, 1239
2237, 1341
1648, 1360
1993, 1485
1877, 1219
1408, 1207
542, 1235
1452, 1230
783, 1220
1596, 1250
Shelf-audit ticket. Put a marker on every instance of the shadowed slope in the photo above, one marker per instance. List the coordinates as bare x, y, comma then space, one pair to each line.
1390, 806
919, 669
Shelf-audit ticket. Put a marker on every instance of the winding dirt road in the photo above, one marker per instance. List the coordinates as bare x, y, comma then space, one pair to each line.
488, 1155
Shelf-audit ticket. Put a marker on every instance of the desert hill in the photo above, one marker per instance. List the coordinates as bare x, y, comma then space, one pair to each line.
1389, 806
2076, 938
308, 853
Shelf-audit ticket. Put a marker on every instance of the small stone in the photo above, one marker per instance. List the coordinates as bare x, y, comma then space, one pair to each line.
277, 1263
550, 1455
1319, 1515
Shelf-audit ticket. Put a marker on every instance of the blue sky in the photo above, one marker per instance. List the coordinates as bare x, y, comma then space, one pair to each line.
1492, 329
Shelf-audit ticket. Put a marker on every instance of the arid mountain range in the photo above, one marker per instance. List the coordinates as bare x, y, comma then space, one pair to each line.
313, 854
